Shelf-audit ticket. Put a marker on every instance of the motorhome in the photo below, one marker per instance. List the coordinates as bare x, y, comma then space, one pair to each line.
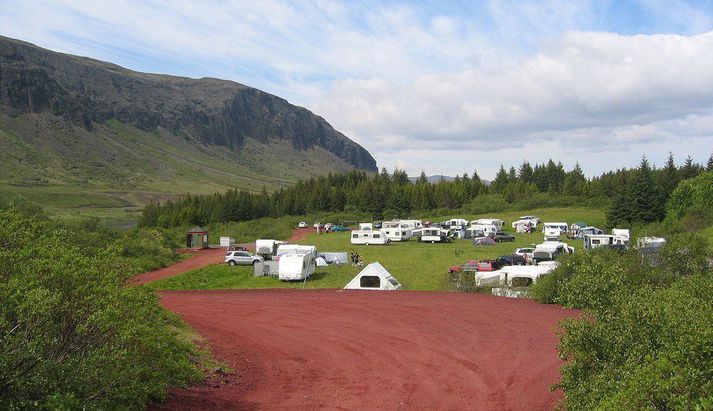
369, 237
550, 250
434, 235
488, 229
396, 231
297, 265
563, 227
498, 223
552, 234
267, 248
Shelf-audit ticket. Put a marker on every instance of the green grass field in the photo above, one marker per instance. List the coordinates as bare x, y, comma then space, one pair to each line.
418, 266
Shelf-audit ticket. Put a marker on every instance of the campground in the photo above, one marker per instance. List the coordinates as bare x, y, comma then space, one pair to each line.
417, 266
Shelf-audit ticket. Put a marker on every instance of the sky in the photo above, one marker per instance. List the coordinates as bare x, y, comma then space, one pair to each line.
445, 87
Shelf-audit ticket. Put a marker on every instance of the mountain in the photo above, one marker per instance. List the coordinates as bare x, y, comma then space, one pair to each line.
71, 124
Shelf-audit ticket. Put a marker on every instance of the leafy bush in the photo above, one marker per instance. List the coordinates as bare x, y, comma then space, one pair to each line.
692, 194
71, 335
644, 340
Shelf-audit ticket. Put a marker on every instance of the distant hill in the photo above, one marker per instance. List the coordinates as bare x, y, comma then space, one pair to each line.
101, 130
439, 177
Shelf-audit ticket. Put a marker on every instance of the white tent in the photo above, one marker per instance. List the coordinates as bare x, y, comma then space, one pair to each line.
320, 262
373, 277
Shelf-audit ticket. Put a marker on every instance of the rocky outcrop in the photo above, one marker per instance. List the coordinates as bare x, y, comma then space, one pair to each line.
87, 92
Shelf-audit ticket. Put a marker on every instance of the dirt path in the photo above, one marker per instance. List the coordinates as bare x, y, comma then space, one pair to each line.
299, 234
366, 350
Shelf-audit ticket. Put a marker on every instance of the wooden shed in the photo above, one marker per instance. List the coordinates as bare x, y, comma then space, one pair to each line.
197, 238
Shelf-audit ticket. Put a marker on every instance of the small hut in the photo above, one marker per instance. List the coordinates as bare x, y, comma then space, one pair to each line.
197, 238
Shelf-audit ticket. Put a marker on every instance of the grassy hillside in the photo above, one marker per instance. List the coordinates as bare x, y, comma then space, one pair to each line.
111, 171
418, 266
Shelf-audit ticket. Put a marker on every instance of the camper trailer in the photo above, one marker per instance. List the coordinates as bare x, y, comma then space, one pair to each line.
498, 223
472, 232
267, 248
455, 224
579, 233
298, 264
283, 249
619, 240
552, 234
514, 280
488, 229
563, 227
550, 250
434, 235
396, 231
369, 237
412, 224
373, 277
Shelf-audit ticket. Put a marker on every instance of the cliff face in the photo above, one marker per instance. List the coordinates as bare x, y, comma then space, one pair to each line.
87, 93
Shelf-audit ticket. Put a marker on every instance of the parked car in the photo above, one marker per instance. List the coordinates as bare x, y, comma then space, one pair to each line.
512, 259
241, 258
237, 248
302, 224
338, 228
328, 226
525, 252
502, 236
473, 266
377, 225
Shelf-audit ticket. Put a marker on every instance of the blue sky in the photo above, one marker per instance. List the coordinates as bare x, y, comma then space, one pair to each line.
445, 87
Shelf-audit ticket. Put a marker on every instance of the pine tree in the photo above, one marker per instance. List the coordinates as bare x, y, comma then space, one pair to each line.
648, 203
689, 169
668, 176
575, 182
501, 180
709, 166
525, 172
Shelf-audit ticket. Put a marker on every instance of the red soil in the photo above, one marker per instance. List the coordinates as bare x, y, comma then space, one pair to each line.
198, 259
299, 234
364, 350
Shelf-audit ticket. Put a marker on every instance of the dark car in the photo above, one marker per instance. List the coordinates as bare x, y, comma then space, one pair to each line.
502, 236
513, 259
377, 225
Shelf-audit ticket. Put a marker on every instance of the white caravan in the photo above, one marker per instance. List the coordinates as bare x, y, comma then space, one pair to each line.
434, 235
456, 223
537, 220
515, 279
650, 242
488, 229
396, 231
284, 249
296, 267
366, 226
267, 248
582, 231
373, 277
369, 237
592, 241
521, 224
412, 224
498, 223
563, 227
550, 250
552, 234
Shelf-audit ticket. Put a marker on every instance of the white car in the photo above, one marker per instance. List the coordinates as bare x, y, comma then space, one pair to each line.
302, 224
526, 252
241, 258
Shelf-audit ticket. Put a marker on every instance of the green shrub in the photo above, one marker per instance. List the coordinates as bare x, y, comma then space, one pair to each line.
692, 194
71, 335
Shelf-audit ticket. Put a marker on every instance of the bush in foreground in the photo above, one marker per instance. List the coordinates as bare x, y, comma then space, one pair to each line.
644, 341
71, 335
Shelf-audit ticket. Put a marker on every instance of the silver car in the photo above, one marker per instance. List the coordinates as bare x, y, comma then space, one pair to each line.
241, 258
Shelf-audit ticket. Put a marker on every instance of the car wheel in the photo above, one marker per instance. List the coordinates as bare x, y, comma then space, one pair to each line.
254, 262
231, 262
366, 244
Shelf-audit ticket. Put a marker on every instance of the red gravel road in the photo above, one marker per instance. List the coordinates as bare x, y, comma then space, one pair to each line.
198, 259
365, 350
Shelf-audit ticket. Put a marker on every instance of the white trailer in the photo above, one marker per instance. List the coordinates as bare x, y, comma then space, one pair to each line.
396, 231
456, 223
488, 229
434, 235
284, 249
369, 237
563, 227
552, 234
298, 265
498, 223
550, 250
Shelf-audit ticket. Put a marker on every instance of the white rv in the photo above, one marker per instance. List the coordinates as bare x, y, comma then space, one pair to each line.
563, 227
550, 250
373, 277
434, 235
369, 237
552, 234
412, 224
498, 223
619, 238
396, 231
456, 223
283, 249
488, 229
267, 248
298, 264
515, 279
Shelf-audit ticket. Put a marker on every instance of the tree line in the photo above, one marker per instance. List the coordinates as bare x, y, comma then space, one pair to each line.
637, 195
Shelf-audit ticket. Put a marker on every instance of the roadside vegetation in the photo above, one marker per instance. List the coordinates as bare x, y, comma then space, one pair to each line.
645, 339
72, 336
